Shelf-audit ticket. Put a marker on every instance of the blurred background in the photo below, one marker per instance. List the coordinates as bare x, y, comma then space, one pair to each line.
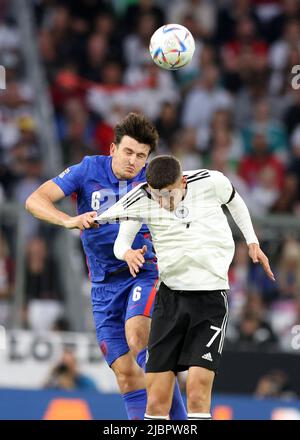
73, 70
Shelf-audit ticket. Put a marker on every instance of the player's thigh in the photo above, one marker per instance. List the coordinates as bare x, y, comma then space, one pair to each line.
204, 339
109, 304
141, 295
168, 328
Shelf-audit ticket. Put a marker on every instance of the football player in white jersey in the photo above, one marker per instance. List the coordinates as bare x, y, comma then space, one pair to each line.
194, 248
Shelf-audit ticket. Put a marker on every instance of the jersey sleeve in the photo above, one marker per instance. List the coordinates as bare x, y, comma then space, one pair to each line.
129, 207
240, 214
71, 178
126, 236
115, 212
223, 187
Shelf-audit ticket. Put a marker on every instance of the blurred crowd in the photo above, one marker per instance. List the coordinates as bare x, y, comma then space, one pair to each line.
21, 172
234, 108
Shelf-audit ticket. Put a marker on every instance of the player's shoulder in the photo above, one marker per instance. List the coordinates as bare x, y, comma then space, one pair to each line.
94, 165
196, 175
219, 178
88, 162
95, 160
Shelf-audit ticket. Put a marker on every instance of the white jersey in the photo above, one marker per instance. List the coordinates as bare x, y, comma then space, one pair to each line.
193, 243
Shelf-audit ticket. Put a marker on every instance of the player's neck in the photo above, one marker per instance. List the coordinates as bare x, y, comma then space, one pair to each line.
118, 175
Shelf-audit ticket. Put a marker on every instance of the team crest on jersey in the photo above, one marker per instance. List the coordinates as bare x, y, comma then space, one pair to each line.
103, 348
66, 171
181, 212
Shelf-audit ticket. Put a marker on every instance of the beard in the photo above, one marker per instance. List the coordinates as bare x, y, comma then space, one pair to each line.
126, 175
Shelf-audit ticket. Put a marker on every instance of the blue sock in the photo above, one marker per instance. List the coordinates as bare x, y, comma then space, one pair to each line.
177, 411
141, 358
135, 404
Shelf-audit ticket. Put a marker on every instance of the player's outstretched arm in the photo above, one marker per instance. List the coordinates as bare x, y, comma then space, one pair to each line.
41, 204
241, 216
122, 248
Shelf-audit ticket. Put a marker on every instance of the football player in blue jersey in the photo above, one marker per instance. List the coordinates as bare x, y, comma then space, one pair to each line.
122, 305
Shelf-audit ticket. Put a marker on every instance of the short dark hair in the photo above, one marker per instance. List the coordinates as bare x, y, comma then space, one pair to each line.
138, 127
163, 171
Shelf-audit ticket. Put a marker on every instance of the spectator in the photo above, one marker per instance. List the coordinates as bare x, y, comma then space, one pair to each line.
294, 165
150, 87
289, 270
284, 310
203, 11
275, 384
6, 281
245, 39
135, 11
287, 201
76, 131
106, 26
66, 375
94, 59
204, 99
167, 123
136, 45
255, 333
220, 160
292, 114
275, 132
280, 49
290, 9
42, 287
265, 192
258, 161
229, 16
184, 147
225, 139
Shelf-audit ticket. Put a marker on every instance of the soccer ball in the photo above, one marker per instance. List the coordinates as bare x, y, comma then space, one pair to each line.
172, 46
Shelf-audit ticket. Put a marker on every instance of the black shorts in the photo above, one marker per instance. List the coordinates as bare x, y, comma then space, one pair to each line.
187, 329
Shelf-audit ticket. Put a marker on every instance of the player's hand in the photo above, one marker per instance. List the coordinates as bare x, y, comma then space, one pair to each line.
257, 256
135, 259
83, 221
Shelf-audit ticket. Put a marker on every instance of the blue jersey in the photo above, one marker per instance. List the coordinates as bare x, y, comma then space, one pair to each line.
97, 188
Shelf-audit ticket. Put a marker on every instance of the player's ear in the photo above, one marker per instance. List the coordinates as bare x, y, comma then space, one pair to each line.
184, 180
113, 148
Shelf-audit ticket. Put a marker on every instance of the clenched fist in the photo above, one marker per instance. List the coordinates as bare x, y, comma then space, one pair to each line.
83, 221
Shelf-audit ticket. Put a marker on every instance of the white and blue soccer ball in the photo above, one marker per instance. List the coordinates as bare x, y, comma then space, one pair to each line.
172, 46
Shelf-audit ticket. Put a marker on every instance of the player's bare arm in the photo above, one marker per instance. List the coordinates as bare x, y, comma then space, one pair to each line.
41, 204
